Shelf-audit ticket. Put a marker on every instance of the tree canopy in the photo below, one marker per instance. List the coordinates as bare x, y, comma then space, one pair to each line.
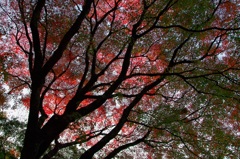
115, 78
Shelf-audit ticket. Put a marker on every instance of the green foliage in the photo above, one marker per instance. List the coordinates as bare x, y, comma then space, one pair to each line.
72, 151
191, 14
6, 155
11, 138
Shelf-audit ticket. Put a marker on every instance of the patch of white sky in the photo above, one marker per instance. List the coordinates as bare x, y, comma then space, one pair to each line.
14, 108
221, 55
78, 7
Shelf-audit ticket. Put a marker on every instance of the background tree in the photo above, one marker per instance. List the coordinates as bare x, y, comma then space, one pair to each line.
104, 76
11, 137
